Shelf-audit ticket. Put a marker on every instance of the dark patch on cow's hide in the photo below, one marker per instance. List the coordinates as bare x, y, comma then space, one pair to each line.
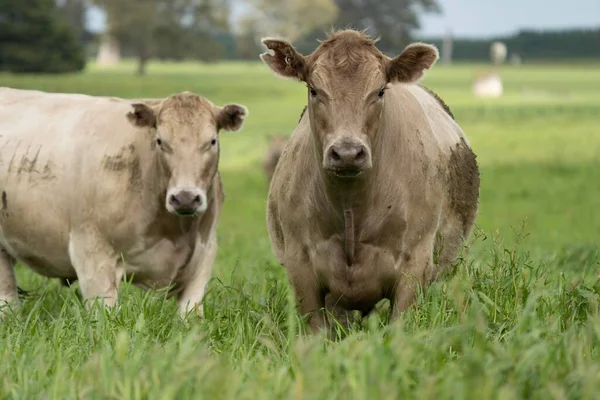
125, 160
27, 164
120, 161
464, 183
302, 113
439, 100
48, 173
135, 175
4, 201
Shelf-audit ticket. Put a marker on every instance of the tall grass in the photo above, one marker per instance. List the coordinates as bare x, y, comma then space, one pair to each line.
518, 318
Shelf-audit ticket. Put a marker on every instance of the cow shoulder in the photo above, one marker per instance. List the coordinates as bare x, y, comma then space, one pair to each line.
439, 100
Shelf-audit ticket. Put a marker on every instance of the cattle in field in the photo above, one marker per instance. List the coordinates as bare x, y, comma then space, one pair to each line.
94, 188
376, 178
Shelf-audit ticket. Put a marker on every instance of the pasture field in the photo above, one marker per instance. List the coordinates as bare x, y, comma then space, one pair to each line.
519, 319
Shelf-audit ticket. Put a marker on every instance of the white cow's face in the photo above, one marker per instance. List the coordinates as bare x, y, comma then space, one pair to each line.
185, 130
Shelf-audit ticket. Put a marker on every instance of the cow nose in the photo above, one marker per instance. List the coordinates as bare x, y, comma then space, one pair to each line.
347, 156
185, 201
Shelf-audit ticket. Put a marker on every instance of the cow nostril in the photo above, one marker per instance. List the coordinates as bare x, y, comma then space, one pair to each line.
173, 200
361, 155
334, 155
198, 199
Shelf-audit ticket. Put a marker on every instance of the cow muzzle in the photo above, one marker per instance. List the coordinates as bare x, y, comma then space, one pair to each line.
347, 158
186, 202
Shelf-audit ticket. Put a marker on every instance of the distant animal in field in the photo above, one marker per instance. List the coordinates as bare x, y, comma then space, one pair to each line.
378, 185
95, 188
276, 146
498, 53
488, 84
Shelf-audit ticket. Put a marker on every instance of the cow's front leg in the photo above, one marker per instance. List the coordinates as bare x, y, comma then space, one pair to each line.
309, 295
8, 284
415, 272
339, 318
97, 266
193, 293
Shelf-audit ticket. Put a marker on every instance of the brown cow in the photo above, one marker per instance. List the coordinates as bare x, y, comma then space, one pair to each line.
376, 178
276, 146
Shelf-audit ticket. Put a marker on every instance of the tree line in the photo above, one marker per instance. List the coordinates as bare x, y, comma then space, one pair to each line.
51, 35
547, 45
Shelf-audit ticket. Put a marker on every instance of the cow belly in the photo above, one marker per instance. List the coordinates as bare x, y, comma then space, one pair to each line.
34, 230
359, 286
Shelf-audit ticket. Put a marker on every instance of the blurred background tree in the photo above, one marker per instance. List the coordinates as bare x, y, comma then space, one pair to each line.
35, 39
394, 21
167, 29
290, 19
56, 35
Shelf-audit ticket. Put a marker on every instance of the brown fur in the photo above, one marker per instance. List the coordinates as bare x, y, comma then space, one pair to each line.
349, 242
409, 66
231, 116
142, 115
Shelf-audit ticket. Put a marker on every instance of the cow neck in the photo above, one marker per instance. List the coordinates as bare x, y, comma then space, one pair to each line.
348, 197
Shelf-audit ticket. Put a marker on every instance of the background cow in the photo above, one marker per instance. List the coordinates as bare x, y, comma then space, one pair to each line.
93, 188
375, 178
276, 146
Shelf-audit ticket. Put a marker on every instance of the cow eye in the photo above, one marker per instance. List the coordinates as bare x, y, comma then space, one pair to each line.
159, 141
213, 141
381, 93
313, 92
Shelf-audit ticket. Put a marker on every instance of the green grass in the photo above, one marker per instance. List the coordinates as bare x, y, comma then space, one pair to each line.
518, 320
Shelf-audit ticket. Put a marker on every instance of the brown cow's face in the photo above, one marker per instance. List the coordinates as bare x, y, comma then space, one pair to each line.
344, 110
346, 78
185, 129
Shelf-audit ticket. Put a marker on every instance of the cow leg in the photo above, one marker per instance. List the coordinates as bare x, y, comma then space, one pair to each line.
97, 267
8, 284
309, 295
340, 315
193, 294
447, 246
416, 271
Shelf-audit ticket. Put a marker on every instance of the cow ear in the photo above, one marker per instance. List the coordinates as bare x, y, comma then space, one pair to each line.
142, 116
231, 117
283, 59
411, 64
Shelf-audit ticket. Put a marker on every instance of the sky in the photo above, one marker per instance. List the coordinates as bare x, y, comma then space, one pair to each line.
480, 18
484, 18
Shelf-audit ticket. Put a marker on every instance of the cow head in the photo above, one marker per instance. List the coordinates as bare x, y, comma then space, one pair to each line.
184, 131
346, 79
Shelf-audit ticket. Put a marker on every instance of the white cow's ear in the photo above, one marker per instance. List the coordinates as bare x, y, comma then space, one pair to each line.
231, 117
142, 116
411, 64
283, 59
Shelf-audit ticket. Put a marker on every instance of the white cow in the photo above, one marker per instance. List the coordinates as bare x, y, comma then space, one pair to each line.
93, 188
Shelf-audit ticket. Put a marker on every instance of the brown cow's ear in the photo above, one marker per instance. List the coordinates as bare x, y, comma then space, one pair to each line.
231, 117
411, 64
284, 60
142, 116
